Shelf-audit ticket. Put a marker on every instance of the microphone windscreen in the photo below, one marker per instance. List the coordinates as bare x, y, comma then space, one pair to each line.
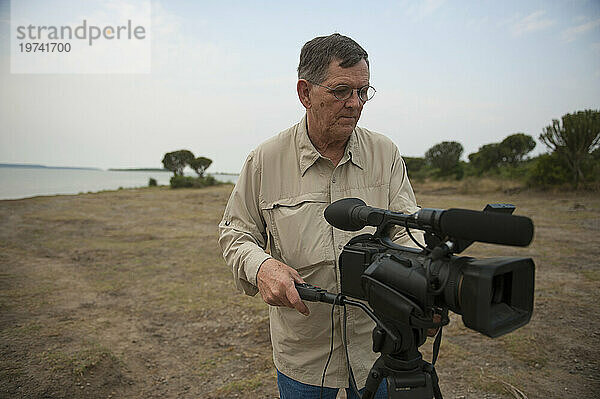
339, 214
490, 227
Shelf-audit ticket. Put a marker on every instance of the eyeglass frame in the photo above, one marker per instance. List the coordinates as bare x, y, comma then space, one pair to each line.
358, 90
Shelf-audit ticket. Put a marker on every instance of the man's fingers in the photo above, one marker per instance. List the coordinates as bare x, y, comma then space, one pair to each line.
431, 332
296, 276
295, 300
275, 282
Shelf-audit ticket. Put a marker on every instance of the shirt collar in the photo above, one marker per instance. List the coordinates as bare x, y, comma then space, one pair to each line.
309, 154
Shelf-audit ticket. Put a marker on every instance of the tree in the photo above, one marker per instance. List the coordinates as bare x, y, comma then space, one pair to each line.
176, 161
515, 147
444, 156
575, 140
200, 164
487, 157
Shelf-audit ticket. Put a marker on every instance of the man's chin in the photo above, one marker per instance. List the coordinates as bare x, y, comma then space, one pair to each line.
347, 126
343, 131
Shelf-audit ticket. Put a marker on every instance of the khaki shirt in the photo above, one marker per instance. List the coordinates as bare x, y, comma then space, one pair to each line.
281, 194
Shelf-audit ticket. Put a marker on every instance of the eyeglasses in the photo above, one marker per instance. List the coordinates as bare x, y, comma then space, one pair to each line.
344, 92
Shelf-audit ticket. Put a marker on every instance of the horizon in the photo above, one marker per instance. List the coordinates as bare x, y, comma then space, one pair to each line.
109, 169
444, 71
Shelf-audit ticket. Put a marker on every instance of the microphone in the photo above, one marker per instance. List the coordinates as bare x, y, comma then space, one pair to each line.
490, 227
352, 214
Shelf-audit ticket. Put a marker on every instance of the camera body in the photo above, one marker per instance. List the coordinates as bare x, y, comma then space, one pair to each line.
494, 296
405, 287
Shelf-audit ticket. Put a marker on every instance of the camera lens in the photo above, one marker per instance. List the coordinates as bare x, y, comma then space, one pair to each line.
497, 289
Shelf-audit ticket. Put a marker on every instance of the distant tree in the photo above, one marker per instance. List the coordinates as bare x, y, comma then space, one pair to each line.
445, 156
486, 158
515, 147
200, 164
575, 140
414, 164
176, 161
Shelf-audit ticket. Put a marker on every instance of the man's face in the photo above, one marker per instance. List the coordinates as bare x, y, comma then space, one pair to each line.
329, 116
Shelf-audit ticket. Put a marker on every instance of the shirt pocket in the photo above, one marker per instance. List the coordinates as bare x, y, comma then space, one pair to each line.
299, 230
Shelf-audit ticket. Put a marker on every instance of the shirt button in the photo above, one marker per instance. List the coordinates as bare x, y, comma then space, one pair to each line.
333, 179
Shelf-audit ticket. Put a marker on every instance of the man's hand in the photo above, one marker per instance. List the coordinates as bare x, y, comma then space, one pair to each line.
275, 281
431, 332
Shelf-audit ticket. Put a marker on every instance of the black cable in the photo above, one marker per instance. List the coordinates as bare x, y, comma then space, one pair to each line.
413, 238
351, 379
338, 297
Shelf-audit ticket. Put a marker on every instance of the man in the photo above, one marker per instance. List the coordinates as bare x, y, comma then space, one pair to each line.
278, 202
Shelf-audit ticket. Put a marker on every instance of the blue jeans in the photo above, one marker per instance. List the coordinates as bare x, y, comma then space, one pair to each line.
292, 389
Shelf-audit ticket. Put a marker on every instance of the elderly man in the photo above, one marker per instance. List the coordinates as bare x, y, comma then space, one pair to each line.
273, 231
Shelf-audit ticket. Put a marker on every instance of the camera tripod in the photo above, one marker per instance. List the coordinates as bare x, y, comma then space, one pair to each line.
408, 375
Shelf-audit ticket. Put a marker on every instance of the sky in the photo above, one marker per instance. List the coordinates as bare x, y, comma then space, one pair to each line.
223, 78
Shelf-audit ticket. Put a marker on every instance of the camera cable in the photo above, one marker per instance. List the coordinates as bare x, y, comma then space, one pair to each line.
337, 299
351, 379
413, 238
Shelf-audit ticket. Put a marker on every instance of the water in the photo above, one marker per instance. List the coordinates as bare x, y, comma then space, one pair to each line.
30, 182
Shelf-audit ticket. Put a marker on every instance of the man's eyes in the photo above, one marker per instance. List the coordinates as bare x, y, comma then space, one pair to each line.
342, 90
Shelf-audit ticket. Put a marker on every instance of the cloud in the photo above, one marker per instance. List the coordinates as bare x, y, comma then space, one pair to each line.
421, 9
570, 34
533, 22
477, 24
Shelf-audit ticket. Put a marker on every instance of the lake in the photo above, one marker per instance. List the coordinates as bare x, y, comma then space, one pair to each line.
21, 182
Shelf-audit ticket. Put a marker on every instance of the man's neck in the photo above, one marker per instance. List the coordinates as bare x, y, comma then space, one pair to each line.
331, 149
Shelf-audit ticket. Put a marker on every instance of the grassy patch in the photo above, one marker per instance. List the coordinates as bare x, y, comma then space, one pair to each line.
452, 351
592, 275
242, 386
79, 362
23, 331
525, 346
207, 365
498, 384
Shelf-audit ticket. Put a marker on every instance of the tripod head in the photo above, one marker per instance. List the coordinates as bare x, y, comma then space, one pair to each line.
401, 363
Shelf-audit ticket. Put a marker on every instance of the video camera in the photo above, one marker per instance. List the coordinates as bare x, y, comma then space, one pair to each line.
405, 286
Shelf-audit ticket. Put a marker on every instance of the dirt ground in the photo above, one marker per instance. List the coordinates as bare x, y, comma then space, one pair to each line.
124, 294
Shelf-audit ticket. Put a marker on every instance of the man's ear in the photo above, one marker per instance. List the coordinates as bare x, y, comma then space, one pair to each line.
303, 90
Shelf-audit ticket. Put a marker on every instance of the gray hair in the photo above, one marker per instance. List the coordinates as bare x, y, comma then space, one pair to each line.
317, 54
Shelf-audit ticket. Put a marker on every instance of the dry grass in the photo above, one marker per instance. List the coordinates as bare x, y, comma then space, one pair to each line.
125, 294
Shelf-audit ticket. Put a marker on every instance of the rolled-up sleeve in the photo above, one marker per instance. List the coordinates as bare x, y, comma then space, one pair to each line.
242, 231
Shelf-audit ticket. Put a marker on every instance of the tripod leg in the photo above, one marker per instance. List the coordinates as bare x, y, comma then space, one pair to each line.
429, 369
373, 380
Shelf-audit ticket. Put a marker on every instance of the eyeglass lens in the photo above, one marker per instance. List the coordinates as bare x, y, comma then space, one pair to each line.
344, 92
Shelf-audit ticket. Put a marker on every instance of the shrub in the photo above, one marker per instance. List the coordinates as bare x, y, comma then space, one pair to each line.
152, 182
192, 182
417, 168
548, 170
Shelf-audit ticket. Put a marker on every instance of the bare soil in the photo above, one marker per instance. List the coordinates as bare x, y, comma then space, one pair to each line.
125, 294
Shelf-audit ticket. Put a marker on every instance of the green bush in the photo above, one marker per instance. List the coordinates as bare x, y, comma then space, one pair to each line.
518, 171
152, 182
548, 170
192, 182
417, 168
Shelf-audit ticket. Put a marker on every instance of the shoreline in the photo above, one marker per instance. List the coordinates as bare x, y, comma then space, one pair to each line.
21, 183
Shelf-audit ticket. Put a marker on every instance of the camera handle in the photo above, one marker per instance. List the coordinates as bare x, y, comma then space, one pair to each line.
409, 376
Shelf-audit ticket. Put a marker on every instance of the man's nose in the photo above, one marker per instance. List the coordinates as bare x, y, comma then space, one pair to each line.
354, 100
